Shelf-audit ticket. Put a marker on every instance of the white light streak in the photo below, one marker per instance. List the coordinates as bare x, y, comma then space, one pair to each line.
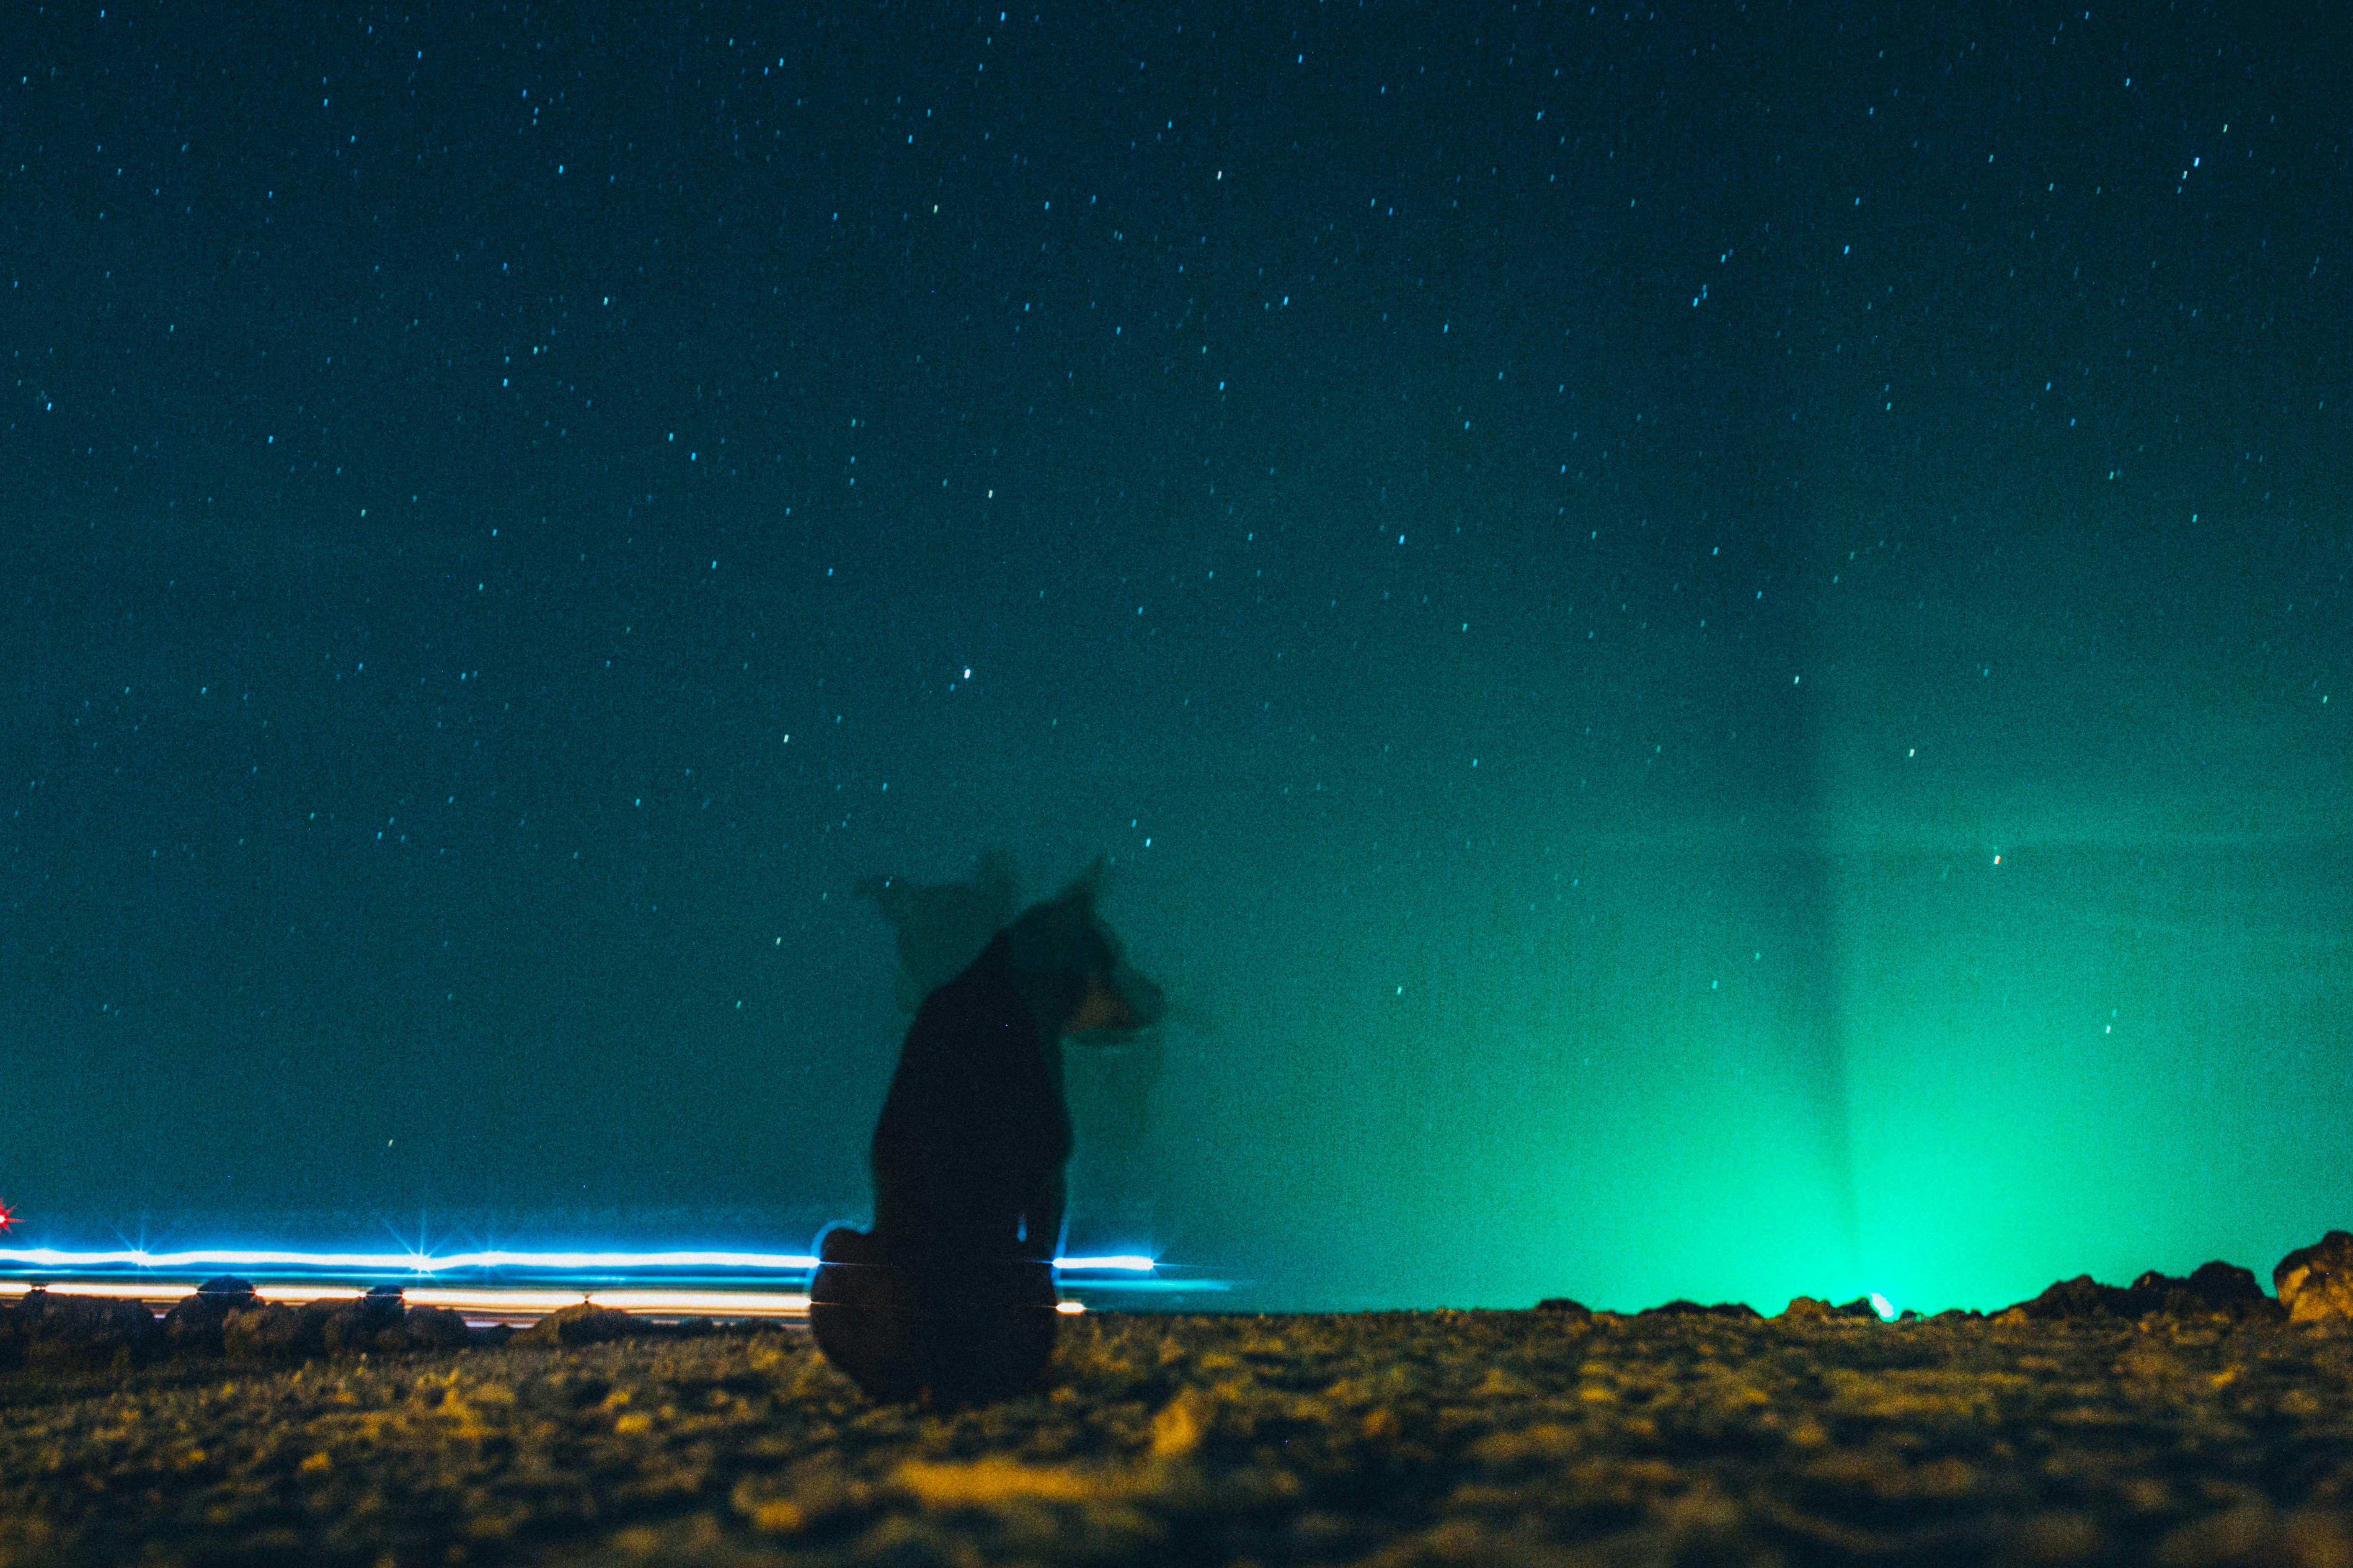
518, 1302
425, 1263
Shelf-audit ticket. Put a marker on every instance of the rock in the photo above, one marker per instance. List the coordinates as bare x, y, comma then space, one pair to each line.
312, 1339
275, 1331
2081, 1297
266, 1331
373, 1322
1564, 1304
2215, 1289
437, 1328
578, 1325
2316, 1283
193, 1326
1806, 1309
62, 1333
1679, 1308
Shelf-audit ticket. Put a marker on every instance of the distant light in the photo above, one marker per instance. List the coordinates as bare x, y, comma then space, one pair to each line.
1884, 1307
1070, 1308
1129, 1262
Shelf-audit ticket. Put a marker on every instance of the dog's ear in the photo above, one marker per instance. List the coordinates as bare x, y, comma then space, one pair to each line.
1081, 894
993, 870
1087, 886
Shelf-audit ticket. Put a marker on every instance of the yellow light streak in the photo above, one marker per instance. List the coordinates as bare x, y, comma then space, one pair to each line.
116, 1292
712, 1304
516, 1301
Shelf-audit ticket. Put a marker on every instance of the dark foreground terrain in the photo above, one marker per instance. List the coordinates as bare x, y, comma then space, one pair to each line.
1439, 1437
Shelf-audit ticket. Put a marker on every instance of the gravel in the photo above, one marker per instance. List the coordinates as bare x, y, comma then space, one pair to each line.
1392, 1439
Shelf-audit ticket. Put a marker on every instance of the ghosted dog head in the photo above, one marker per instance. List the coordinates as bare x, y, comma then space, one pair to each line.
1070, 972
941, 926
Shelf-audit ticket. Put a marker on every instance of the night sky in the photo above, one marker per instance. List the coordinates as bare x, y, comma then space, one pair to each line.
1712, 645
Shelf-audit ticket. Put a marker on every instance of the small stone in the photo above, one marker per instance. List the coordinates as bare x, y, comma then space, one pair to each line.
312, 1339
78, 1332
1806, 1309
584, 1324
2213, 1289
2081, 1297
2316, 1283
193, 1326
371, 1324
1681, 1308
1573, 1308
437, 1327
266, 1331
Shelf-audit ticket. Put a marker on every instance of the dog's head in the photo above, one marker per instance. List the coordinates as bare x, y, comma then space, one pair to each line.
1070, 971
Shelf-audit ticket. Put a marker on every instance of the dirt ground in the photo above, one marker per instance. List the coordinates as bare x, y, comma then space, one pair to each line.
1396, 1438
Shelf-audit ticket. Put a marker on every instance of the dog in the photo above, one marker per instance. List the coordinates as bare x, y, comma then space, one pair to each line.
967, 1158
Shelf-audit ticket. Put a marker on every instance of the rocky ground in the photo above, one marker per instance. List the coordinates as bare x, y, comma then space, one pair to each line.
1429, 1438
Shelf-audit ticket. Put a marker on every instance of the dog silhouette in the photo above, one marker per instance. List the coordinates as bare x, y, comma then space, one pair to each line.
952, 1293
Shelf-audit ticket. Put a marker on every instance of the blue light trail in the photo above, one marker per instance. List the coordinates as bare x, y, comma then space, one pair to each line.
424, 1263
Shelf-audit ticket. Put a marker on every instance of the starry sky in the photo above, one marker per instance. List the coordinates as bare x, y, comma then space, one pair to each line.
1711, 644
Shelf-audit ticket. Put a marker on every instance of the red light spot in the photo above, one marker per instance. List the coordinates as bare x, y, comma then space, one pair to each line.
6, 1215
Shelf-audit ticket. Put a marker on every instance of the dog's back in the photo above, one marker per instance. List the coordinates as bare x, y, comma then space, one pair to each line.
974, 1133
969, 1150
